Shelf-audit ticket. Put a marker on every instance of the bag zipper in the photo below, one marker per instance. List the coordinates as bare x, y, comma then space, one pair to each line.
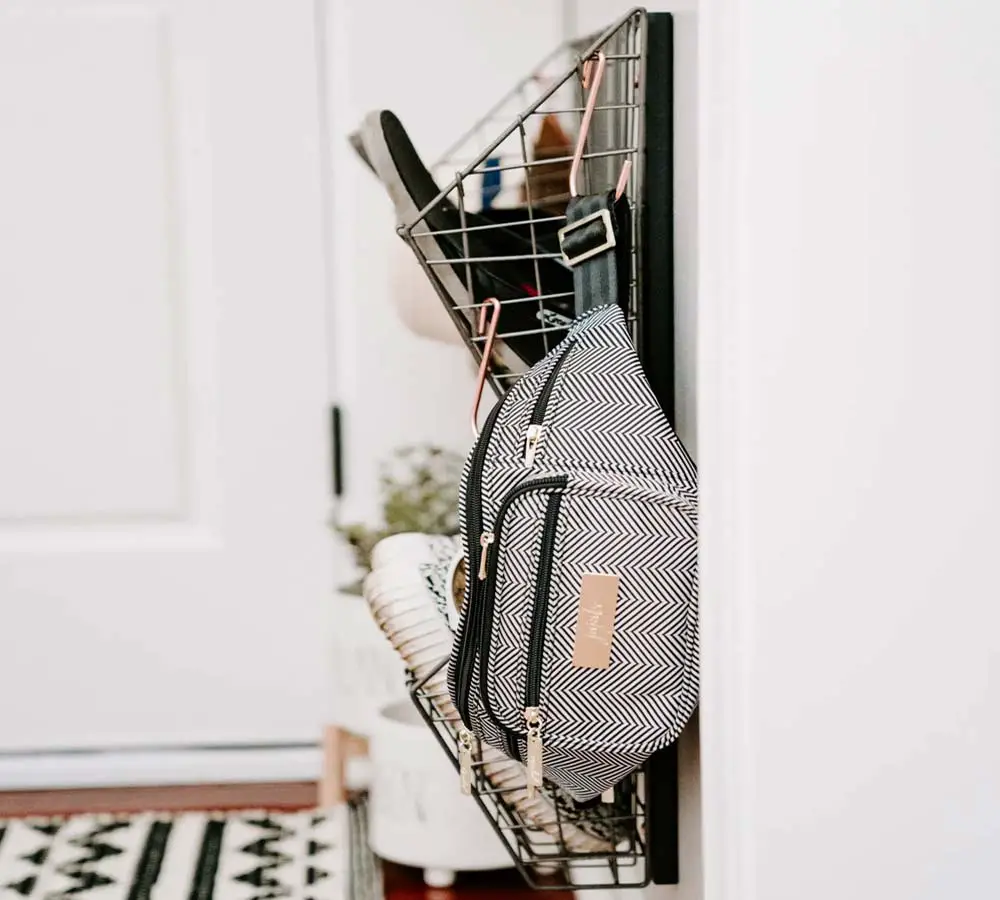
533, 742
490, 539
465, 760
533, 713
553, 483
466, 661
536, 424
476, 538
536, 646
539, 613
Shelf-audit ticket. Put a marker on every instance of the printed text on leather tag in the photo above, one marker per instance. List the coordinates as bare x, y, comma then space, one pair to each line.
595, 621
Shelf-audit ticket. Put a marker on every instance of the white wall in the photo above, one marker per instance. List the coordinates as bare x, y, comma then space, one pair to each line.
849, 437
439, 64
593, 15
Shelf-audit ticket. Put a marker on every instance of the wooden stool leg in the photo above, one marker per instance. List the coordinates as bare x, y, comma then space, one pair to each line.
331, 782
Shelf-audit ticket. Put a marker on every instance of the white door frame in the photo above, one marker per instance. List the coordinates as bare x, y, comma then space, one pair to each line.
724, 602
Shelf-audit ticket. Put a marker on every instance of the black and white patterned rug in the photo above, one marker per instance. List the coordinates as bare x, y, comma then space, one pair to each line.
190, 856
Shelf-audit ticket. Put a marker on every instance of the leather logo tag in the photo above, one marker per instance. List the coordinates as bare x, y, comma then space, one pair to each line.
595, 621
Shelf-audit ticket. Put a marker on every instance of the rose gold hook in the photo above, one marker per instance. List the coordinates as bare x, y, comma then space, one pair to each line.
623, 179
596, 69
484, 365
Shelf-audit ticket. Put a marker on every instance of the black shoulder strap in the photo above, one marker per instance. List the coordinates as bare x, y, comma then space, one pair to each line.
593, 244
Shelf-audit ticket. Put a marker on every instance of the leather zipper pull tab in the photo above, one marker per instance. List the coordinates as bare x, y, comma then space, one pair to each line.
465, 760
533, 762
531, 438
485, 539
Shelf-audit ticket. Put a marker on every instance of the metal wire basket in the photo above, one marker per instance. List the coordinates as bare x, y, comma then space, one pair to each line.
552, 840
493, 230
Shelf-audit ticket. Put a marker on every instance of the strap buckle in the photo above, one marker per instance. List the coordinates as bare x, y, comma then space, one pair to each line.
609, 242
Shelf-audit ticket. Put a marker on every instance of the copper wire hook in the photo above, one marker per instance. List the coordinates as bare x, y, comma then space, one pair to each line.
484, 364
592, 76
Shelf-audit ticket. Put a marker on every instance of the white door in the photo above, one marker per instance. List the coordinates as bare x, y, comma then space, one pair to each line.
164, 553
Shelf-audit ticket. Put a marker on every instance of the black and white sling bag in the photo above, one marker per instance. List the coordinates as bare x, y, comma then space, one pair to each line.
577, 648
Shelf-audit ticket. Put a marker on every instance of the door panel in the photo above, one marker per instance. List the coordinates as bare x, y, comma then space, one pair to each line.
163, 489
87, 238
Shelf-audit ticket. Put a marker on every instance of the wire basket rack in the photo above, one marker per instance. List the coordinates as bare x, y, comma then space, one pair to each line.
553, 841
493, 230
492, 235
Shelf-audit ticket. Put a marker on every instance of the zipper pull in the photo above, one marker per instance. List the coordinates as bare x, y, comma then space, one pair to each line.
485, 539
465, 760
533, 763
531, 439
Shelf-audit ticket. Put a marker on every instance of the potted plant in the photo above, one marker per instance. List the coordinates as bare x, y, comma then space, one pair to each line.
418, 487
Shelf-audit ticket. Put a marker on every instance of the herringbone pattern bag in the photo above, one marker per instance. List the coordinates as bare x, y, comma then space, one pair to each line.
577, 648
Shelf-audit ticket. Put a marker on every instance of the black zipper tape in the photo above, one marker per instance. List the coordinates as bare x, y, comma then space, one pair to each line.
541, 404
551, 483
469, 646
540, 609
471, 635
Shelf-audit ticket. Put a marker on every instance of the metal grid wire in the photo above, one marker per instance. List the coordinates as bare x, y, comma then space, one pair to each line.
601, 845
547, 835
457, 240
467, 248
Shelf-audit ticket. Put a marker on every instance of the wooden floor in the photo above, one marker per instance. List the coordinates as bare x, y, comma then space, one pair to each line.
401, 883
284, 795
